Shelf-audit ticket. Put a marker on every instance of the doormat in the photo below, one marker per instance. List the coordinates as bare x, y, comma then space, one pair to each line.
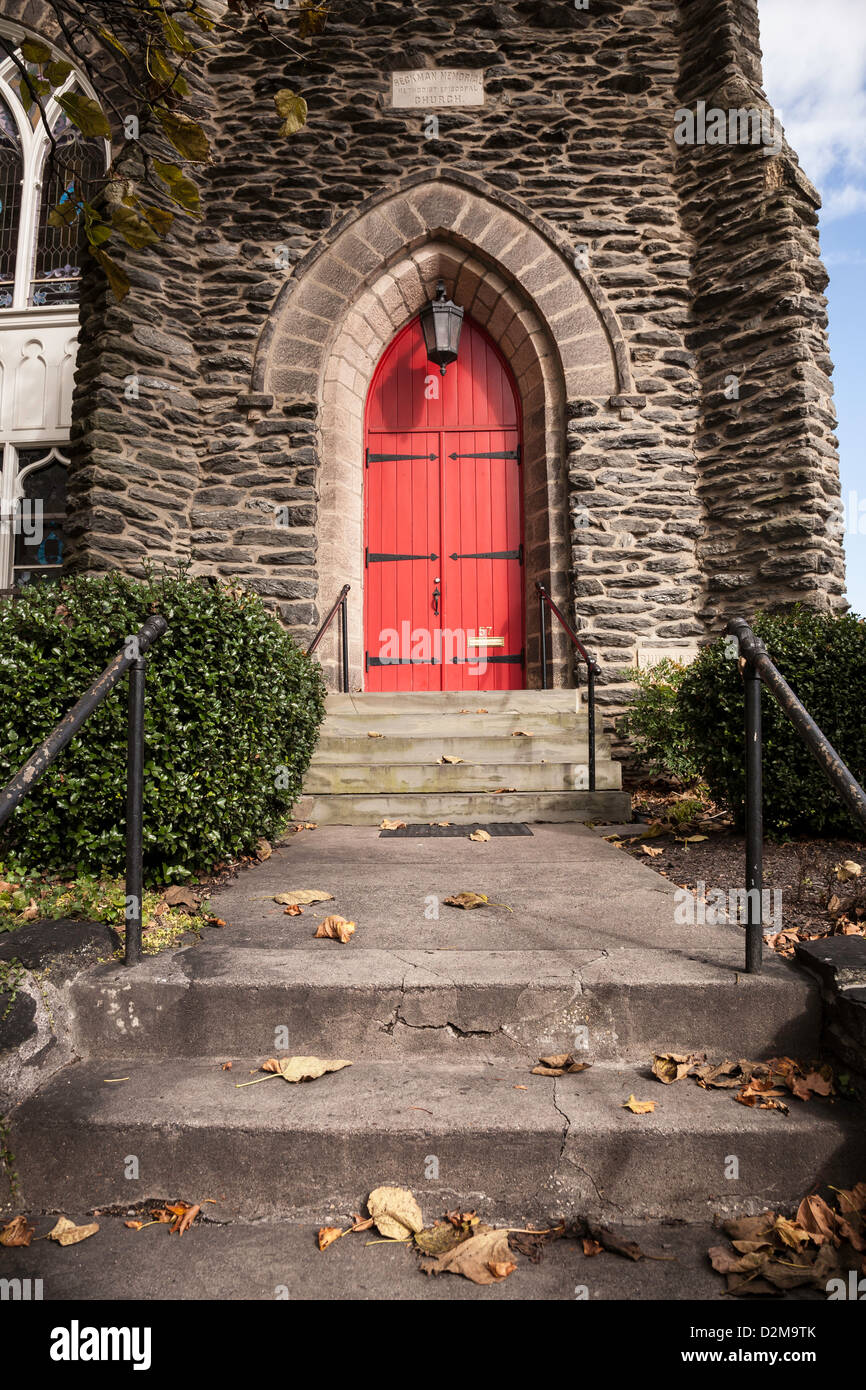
423, 832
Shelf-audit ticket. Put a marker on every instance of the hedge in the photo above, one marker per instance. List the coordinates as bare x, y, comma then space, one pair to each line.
232, 715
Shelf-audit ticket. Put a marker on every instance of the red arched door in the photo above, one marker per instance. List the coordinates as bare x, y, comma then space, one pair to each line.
443, 530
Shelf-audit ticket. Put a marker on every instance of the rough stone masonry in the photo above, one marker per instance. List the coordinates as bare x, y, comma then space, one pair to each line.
660, 304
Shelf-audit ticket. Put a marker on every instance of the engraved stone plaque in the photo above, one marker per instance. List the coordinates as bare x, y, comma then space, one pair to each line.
420, 87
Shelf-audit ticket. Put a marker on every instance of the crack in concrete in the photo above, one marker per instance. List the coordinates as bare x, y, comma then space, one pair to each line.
447, 1026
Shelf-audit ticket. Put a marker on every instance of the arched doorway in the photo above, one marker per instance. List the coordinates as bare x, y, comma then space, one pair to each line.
443, 520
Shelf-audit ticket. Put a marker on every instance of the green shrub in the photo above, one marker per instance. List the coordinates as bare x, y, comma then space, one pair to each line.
232, 714
654, 723
823, 659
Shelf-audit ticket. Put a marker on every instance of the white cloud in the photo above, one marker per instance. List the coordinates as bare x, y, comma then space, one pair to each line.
815, 75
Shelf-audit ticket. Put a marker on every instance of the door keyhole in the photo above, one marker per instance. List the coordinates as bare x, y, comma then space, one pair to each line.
437, 593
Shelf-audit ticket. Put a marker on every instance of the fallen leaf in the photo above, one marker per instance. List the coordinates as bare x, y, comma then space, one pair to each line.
300, 1068
303, 895
215, 922
263, 850
673, 1066
395, 1212
639, 1107
592, 1247
226, 1066
442, 1237
293, 910
520, 733
467, 900
847, 870
183, 1220
136, 1225
482, 711
67, 1233
328, 1234
815, 1216
560, 1064
393, 825
178, 896
449, 758
335, 929
480, 1258
480, 835
17, 1232
372, 735
361, 1223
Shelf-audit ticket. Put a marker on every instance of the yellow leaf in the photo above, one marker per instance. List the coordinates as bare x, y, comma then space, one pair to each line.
639, 1107
480, 835
301, 1068
335, 929
67, 1233
467, 900
292, 109
328, 1234
395, 1212
392, 825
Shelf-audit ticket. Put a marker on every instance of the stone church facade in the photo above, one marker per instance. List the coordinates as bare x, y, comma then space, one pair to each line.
658, 304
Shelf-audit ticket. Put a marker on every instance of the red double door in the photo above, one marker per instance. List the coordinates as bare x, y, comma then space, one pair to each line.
443, 597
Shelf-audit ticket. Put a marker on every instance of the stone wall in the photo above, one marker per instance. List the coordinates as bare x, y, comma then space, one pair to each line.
595, 248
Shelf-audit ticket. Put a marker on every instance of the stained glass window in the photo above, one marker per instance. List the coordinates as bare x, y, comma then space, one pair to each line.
76, 163
11, 173
41, 520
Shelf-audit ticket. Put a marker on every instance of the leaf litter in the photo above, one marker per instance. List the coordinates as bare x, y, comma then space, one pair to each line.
759, 1085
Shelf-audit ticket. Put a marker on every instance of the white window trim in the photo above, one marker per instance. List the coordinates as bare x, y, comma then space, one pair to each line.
12, 491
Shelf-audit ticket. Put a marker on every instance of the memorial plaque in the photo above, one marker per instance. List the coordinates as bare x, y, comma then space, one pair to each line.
425, 87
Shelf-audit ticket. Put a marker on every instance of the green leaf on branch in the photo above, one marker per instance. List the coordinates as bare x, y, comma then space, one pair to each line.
292, 109
163, 72
64, 214
32, 51
117, 278
57, 72
185, 134
115, 43
86, 114
181, 189
159, 219
134, 230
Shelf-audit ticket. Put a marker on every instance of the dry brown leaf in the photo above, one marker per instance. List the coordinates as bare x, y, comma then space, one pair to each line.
847, 870
443, 1236
591, 1247
335, 929
392, 824
302, 1068
648, 849
480, 835
263, 850
373, 735
478, 1258
178, 896
226, 1066
449, 758
816, 1217
673, 1066
467, 900
303, 895
184, 1219
560, 1064
361, 1223
135, 1225
395, 1212
67, 1233
482, 711
18, 1231
639, 1107
328, 1234
293, 910
521, 733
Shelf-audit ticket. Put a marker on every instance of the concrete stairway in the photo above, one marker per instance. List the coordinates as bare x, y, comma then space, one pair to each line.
523, 757
442, 1013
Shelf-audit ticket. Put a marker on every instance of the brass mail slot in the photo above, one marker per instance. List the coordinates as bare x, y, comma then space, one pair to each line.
486, 642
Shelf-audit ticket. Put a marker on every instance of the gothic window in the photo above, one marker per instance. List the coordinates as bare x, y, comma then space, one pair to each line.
41, 515
40, 266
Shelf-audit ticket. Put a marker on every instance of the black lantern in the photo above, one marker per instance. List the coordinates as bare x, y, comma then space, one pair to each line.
442, 320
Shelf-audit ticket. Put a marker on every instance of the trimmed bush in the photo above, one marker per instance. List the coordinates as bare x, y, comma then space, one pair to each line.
654, 723
823, 659
233, 709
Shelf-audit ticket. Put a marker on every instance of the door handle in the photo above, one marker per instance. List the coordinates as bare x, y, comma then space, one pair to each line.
437, 593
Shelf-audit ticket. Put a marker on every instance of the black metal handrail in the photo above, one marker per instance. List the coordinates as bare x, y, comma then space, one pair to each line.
758, 667
592, 667
131, 659
340, 602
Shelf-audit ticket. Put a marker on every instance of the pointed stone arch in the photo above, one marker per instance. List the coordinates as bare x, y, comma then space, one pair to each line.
348, 298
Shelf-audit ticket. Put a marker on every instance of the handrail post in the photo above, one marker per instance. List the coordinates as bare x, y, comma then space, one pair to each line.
590, 705
134, 798
344, 626
542, 627
754, 821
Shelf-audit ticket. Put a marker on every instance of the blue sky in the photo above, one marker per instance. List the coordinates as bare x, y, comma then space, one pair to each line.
815, 76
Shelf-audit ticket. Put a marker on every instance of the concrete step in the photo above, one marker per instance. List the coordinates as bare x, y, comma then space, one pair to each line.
568, 747
420, 778
444, 1005
464, 808
466, 1135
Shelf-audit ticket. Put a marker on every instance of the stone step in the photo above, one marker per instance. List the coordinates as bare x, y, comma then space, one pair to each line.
419, 778
452, 701
464, 808
445, 1005
473, 1135
473, 748
435, 724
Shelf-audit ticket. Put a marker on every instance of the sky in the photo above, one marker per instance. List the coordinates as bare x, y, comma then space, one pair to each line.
815, 77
